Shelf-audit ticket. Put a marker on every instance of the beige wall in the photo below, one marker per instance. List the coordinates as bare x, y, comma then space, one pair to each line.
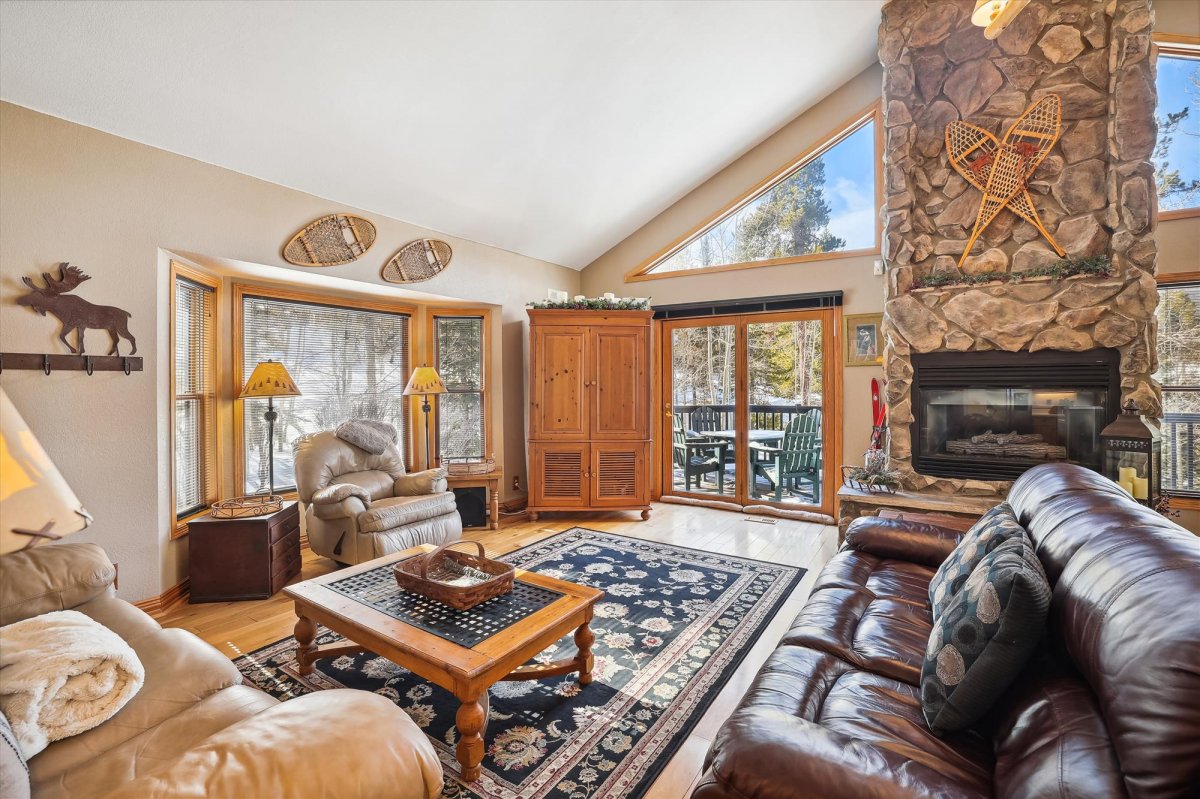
114, 207
863, 290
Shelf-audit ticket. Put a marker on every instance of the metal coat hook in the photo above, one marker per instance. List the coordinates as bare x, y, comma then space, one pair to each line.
88, 366
125, 364
46, 364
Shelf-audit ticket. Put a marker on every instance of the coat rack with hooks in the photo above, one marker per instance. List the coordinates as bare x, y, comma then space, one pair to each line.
70, 363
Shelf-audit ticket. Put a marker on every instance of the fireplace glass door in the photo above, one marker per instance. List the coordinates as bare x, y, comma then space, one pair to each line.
1017, 426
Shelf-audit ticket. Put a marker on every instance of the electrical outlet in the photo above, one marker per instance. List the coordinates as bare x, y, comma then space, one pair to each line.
878, 266
516, 482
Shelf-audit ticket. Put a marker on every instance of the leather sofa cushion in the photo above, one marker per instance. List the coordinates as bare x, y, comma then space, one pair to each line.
916, 542
157, 746
885, 633
1051, 741
813, 723
384, 514
438, 530
993, 529
181, 670
51, 577
985, 636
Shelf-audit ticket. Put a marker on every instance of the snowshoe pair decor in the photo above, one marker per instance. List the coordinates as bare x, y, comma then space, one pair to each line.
341, 238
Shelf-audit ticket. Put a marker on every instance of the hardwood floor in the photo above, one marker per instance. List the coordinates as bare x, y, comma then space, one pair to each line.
239, 627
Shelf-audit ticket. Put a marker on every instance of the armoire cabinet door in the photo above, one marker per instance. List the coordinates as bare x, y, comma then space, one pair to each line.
559, 475
558, 370
619, 379
618, 474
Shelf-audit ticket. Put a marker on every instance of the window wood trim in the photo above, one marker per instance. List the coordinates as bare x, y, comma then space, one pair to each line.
1181, 502
1177, 44
212, 438
872, 113
431, 316
240, 292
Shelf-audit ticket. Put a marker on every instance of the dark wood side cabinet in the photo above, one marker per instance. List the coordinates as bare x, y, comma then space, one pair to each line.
248, 558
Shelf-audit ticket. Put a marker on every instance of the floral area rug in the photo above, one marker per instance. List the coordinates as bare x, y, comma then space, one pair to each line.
673, 626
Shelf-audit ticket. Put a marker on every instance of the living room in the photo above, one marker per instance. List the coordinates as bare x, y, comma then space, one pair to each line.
735, 417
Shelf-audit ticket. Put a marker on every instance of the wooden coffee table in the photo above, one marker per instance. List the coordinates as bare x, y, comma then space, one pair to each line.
467, 672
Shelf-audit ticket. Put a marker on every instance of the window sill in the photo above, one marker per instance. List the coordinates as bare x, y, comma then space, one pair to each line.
1181, 502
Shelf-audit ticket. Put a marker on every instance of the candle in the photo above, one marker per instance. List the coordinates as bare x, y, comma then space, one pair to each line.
1141, 488
1126, 473
1126, 486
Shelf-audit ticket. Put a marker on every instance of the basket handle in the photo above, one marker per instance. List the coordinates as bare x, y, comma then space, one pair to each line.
432, 556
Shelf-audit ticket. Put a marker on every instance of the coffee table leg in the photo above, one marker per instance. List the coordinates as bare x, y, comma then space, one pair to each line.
306, 633
584, 638
471, 719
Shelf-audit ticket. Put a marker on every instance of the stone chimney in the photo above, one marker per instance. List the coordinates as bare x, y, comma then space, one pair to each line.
1094, 193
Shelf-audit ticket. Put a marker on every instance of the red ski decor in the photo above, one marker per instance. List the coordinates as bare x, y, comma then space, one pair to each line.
878, 414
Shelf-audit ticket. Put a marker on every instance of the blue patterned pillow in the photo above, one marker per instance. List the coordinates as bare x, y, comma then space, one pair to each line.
994, 528
985, 637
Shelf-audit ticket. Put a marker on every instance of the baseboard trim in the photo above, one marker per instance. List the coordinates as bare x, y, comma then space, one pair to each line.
156, 606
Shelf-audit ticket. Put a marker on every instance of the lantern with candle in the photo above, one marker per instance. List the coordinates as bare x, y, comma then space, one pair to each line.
1132, 452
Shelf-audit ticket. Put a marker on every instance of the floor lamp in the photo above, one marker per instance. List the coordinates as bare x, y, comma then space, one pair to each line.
425, 381
270, 379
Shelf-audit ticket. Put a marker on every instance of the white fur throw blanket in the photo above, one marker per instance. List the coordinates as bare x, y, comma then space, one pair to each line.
62, 674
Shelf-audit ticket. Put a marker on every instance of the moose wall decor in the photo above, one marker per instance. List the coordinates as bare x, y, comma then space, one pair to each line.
76, 313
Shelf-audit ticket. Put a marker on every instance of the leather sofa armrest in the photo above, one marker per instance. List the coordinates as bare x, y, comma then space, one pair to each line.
52, 577
766, 753
430, 481
332, 494
916, 542
347, 508
285, 752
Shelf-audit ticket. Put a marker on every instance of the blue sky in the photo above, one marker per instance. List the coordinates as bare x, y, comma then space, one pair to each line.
1176, 92
850, 188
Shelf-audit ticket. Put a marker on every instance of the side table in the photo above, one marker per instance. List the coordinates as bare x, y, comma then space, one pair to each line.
491, 483
251, 557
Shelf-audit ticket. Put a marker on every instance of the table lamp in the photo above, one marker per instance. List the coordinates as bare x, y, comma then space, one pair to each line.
36, 504
425, 381
270, 379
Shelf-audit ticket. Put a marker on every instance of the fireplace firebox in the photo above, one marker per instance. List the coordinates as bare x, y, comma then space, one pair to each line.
993, 415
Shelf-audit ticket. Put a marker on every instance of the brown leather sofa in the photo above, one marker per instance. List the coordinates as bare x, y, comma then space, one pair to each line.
1109, 707
193, 730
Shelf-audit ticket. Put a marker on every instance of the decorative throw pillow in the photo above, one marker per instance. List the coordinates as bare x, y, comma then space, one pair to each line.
994, 528
985, 636
14, 772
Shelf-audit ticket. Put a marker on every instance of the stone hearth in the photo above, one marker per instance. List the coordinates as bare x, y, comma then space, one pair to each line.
1094, 193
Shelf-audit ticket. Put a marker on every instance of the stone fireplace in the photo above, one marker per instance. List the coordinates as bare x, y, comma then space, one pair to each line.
1094, 193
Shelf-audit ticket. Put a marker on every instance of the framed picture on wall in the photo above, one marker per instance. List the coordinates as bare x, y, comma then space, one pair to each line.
864, 339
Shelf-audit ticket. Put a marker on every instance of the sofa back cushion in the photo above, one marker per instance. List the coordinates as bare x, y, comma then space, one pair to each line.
1124, 612
323, 459
51, 577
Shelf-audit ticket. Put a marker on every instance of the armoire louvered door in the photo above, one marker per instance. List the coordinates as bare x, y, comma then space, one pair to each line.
589, 410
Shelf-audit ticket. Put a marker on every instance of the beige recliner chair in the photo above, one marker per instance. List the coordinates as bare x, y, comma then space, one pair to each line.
358, 506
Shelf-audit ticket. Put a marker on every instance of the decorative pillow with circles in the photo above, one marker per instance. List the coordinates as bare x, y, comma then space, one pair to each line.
984, 636
994, 528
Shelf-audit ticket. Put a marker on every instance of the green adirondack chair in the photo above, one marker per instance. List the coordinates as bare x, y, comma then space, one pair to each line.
798, 457
696, 457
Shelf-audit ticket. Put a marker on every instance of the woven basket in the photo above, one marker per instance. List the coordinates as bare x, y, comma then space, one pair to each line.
471, 467
457, 579
238, 507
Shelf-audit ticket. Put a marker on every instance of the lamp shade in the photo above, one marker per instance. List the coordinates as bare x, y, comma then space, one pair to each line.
425, 380
269, 379
36, 504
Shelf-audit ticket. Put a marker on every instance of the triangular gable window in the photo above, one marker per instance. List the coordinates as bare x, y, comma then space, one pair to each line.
824, 203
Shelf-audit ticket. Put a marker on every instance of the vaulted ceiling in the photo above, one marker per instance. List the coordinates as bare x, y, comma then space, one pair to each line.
553, 130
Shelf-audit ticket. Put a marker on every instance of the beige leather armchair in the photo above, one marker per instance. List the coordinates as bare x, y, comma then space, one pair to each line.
194, 730
358, 506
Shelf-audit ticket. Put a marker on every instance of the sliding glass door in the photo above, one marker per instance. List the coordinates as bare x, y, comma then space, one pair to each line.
750, 409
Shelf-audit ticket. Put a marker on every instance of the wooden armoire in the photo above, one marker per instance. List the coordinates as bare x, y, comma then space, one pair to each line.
589, 410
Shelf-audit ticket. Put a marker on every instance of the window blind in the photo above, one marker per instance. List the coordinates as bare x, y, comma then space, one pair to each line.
349, 363
195, 457
1179, 373
458, 346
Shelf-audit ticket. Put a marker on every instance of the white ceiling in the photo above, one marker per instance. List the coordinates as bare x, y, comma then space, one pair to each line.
553, 130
